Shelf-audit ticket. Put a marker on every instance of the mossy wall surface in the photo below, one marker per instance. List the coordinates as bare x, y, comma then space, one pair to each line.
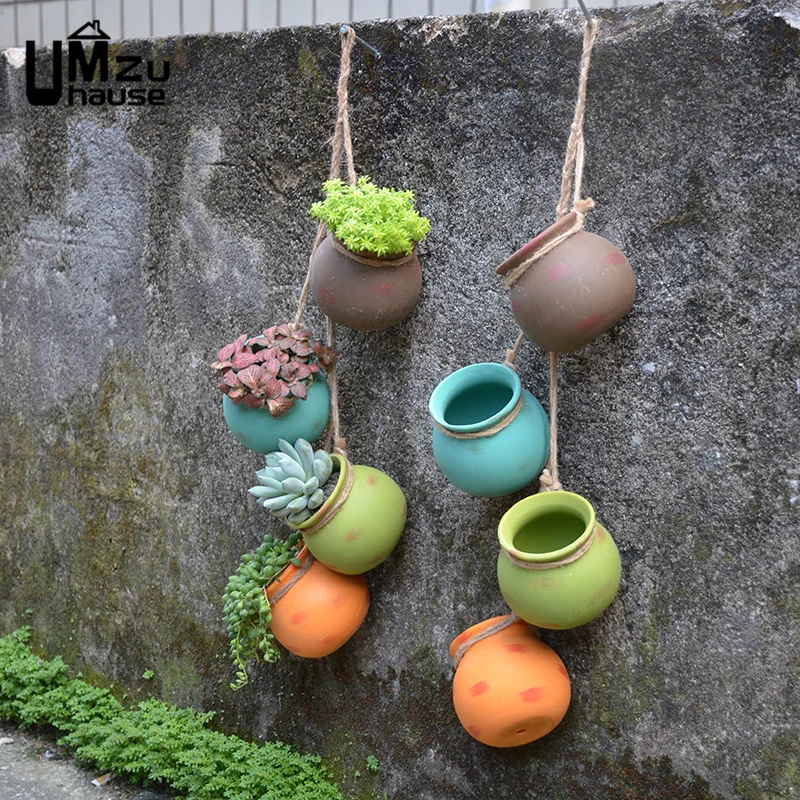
135, 242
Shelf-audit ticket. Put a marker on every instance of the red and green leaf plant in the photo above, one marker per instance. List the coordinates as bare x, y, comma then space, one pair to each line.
272, 370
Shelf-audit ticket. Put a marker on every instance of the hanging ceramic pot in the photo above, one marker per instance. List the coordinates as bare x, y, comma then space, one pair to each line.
258, 430
509, 688
491, 437
578, 290
320, 612
360, 524
361, 292
558, 567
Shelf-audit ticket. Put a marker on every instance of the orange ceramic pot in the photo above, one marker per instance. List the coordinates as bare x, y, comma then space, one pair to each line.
320, 612
510, 688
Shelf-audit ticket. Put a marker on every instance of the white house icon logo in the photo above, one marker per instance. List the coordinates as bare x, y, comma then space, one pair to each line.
92, 65
91, 30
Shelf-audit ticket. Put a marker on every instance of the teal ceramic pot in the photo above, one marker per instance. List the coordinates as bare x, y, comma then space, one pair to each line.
573, 565
258, 430
477, 399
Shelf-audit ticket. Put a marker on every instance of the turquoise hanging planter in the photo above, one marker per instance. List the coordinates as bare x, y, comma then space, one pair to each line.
258, 430
491, 437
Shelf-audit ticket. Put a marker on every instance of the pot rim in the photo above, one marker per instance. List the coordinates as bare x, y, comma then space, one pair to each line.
453, 384
388, 258
344, 467
288, 572
474, 630
534, 505
538, 241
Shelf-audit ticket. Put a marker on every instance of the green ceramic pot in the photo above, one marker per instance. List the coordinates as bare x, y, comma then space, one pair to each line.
366, 528
547, 530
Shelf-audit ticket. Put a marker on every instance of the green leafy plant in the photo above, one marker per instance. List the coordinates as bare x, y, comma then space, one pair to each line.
292, 485
272, 370
372, 764
246, 609
371, 221
154, 744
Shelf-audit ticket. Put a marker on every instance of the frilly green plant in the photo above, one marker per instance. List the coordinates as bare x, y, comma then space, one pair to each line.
369, 220
246, 611
291, 485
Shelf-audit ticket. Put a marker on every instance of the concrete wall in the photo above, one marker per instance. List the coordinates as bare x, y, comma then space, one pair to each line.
135, 242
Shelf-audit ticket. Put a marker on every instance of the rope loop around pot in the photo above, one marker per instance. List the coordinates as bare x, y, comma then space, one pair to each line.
504, 423
327, 514
304, 567
504, 623
572, 557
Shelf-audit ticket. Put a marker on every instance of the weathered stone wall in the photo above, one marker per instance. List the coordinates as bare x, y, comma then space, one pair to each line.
135, 242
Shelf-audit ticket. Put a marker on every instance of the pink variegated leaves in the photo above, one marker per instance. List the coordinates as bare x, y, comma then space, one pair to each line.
274, 369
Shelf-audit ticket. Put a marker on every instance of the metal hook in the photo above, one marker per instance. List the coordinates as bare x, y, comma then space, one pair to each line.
585, 10
365, 45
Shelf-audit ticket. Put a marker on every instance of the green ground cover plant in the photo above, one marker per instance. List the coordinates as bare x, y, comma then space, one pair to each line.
154, 743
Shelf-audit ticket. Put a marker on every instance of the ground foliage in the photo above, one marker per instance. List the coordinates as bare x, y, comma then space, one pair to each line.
154, 743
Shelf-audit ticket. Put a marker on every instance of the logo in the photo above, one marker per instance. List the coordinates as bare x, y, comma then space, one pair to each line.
128, 70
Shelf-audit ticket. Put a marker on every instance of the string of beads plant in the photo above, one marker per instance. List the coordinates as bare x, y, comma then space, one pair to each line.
246, 610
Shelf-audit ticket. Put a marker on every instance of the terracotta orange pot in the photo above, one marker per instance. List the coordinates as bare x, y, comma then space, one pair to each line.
320, 612
510, 688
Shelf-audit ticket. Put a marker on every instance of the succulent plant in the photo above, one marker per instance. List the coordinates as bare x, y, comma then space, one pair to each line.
291, 485
246, 612
272, 370
367, 219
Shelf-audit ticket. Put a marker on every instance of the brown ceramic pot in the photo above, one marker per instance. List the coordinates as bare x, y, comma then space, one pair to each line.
362, 297
579, 290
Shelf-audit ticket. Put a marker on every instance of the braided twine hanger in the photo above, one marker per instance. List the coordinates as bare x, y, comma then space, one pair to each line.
341, 144
571, 180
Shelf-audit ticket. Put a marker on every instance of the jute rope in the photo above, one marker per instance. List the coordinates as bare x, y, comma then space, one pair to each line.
341, 143
333, 510
504, 623
571, 184
584, 548
371, 262
304, 567
548, 480
511, 355
571, 179
504, 423
334, 428
572, 174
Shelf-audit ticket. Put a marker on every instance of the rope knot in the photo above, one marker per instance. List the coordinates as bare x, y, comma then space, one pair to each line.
509, 362
547, 483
